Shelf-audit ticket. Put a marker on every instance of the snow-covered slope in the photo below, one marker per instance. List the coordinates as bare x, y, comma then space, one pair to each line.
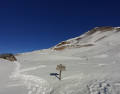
96, 41
98, 35
92, 66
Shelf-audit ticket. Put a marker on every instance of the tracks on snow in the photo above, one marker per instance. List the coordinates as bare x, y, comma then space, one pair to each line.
35, 85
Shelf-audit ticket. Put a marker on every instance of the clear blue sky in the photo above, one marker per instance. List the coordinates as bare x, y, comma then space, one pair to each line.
28, 25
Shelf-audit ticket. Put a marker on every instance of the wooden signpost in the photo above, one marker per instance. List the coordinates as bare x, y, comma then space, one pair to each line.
60, 68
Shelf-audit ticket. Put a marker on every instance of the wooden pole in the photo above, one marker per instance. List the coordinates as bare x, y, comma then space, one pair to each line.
60, 75
60, 68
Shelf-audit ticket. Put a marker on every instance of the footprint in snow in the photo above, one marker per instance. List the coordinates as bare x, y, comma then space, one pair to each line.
35, 85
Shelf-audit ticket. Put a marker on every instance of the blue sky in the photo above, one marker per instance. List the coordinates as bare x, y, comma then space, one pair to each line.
28, 25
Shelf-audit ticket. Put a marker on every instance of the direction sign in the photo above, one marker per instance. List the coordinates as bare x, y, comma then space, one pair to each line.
61, 67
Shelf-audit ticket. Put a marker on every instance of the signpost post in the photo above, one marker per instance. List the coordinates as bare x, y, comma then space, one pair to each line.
60, 68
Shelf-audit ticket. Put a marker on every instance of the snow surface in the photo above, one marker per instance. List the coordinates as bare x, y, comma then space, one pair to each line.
89, 70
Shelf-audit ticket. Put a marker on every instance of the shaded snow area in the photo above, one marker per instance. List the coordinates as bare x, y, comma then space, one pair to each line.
89, 70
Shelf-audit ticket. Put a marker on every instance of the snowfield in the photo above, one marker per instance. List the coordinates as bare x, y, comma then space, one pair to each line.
89, 70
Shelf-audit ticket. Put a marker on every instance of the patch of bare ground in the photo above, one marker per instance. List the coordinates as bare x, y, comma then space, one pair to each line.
63, 43
100, 38
102, 29
72, 46
118, 30
60, 48
79, 38
86, 45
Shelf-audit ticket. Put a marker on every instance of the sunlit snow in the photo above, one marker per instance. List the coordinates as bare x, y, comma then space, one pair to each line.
89, 70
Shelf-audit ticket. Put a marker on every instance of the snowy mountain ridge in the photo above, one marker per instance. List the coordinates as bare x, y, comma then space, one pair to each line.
89, 38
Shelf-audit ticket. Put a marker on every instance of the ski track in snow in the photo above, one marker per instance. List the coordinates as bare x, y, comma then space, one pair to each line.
35, 85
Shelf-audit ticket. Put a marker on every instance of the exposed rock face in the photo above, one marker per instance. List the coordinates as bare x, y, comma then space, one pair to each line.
87, 39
